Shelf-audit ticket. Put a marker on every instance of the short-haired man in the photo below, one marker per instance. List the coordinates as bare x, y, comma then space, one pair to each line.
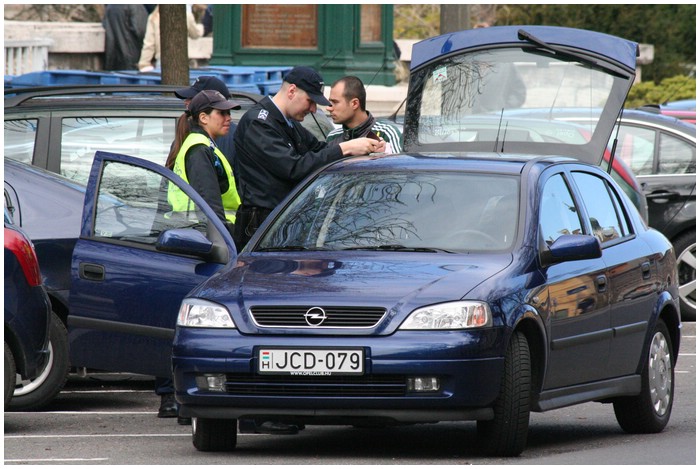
348, 100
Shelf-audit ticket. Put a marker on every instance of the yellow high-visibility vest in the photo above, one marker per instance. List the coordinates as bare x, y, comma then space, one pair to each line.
179, 200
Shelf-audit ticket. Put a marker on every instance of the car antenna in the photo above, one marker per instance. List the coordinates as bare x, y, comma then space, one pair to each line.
498, 133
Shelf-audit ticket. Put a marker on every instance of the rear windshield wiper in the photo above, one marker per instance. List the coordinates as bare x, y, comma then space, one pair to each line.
526, 36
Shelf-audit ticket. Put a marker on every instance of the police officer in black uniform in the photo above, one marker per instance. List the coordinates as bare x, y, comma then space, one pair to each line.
274, 152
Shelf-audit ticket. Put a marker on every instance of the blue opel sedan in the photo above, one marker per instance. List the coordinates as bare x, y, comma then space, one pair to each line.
492, 271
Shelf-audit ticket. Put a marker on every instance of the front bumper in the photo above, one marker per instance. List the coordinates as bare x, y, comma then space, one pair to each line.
468, 365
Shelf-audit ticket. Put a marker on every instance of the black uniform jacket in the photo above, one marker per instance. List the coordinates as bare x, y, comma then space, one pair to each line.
272, 157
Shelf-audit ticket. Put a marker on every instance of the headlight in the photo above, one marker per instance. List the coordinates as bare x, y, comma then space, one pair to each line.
445, 316
201, 313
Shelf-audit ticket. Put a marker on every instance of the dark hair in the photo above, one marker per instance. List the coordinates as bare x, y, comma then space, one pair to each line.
183, 127
354, 88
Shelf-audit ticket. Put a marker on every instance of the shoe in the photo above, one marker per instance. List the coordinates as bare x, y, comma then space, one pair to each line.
184, 421
277, 428
168, 406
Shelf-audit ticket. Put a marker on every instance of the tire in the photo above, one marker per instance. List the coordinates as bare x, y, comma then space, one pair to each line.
10, 374
214, 434
650, 411
506, 434
684, 246
33, 394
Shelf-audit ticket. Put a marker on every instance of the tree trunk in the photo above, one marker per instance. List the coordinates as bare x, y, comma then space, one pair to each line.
454, 17
174, 61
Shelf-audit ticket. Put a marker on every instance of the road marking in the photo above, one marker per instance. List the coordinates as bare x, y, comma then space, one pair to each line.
55, 460
105, 435
94, 412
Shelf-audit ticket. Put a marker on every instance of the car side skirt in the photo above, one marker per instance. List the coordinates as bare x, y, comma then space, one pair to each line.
564, 397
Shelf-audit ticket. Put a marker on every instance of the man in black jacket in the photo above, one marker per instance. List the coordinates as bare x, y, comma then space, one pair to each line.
274, 152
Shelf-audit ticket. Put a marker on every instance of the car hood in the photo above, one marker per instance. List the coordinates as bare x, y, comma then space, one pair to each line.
397, 282
499, 90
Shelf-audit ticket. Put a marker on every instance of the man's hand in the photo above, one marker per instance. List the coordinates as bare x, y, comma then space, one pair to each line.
362, 146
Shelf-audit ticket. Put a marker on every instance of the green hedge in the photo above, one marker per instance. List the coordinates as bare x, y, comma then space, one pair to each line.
670, 89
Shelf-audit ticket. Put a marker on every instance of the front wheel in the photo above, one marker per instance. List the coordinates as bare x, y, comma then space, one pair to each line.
214, 434
506, 434
650, 411
33, 394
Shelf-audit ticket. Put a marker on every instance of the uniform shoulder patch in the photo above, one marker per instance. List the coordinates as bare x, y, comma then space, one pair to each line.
263, 114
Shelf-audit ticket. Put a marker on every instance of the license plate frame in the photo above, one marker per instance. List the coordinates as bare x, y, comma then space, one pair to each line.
291, 361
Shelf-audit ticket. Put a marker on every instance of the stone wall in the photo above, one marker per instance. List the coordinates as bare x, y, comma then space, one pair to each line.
78, 46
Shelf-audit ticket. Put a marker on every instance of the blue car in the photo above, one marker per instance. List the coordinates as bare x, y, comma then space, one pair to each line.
27, 310
492, 271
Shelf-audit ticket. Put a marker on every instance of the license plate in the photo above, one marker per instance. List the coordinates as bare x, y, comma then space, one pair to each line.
323, 362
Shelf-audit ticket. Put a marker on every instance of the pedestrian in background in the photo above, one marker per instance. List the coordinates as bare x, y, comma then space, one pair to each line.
150, 52
125, 28
274, 152
348, 100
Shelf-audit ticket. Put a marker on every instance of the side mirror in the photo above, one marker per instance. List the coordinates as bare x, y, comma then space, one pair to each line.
572, 248
184, 241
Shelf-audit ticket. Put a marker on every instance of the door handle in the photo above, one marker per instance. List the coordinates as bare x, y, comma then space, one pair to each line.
94, 272
601, 282
646, 270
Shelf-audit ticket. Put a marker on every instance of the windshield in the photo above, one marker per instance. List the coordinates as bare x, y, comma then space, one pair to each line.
455, 212
507, 100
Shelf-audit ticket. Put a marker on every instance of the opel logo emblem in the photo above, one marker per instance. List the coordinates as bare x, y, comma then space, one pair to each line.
315, 316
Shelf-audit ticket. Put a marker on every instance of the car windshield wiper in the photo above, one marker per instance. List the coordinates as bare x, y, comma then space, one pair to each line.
284, 248
396, 247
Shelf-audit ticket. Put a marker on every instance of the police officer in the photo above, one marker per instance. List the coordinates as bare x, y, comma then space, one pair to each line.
274, 152
200, 162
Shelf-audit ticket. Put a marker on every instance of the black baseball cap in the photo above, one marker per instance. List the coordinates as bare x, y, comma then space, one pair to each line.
203, 83
210, 99
310, 81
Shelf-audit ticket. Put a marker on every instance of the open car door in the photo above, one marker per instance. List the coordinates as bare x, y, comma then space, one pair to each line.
134, 262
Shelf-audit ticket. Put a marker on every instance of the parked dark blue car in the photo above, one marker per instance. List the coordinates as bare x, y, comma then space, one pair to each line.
27, 310
492, 271
48, 208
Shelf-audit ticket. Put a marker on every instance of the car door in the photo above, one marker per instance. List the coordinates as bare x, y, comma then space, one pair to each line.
630, 271
578, 312
664, 164
134, 262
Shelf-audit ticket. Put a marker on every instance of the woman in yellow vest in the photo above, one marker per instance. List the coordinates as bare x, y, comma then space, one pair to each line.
200, 163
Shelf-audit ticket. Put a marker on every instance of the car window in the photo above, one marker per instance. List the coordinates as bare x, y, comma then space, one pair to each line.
636, 148
446, 211
144, 137
133, 206
603, 207
558, 212
20, 135
675, 156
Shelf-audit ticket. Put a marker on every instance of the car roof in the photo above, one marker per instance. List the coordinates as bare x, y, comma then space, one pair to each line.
82, 96
448, 161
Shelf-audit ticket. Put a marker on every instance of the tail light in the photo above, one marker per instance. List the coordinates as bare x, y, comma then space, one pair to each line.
25, 254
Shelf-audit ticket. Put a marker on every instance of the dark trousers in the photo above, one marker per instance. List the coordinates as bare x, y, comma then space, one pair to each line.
248, 220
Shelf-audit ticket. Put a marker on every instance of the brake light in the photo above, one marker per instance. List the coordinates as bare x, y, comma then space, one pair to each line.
25, 254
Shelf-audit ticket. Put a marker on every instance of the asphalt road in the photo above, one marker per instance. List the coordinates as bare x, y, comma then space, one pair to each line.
111, 419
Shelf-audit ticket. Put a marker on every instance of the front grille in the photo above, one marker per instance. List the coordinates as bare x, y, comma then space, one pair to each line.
321, 386
335, 316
